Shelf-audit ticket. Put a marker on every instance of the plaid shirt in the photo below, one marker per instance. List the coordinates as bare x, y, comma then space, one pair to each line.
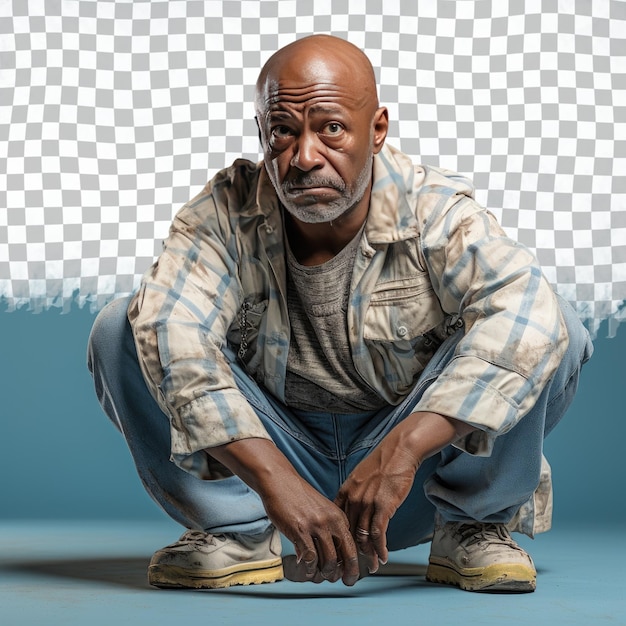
430, 261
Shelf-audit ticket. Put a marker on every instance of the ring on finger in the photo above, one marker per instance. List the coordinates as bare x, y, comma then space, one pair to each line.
362, 531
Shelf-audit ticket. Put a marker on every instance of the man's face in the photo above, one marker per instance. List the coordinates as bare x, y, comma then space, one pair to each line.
317, 132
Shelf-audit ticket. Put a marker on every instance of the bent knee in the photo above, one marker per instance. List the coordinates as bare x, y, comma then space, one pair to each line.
108, 329
580, 347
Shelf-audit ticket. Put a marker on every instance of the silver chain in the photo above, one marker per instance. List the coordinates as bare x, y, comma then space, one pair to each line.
243, 327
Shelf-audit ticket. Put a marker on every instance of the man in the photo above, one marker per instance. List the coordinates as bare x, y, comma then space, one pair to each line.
341, 347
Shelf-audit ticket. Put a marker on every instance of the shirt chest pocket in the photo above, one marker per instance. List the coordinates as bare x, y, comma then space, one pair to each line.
402, 310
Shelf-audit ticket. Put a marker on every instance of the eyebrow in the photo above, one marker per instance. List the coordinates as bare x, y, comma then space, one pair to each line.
325, 109
279, 115
316, 109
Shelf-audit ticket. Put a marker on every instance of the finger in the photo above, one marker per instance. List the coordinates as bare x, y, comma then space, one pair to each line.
378, 535
365, 546
342, 500
306, 555
362, 536
347, 556
349, 565
328, 564
354, 513
349, 549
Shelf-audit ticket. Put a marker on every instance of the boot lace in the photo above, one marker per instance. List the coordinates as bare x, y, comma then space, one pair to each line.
196, 538
471, 534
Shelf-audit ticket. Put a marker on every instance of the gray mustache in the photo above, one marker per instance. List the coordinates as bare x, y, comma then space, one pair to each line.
313, 181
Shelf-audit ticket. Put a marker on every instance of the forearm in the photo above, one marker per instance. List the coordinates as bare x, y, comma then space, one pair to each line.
261, 465
422, 434
258, 462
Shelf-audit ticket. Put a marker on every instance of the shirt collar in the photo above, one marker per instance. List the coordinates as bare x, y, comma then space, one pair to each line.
392, 203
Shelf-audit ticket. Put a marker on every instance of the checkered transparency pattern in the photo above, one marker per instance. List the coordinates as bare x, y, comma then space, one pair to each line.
114, 113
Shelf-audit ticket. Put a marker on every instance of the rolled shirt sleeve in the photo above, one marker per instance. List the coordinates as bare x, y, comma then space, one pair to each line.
514, 337
180, 316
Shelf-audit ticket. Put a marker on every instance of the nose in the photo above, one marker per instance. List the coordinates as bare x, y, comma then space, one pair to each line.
307, 155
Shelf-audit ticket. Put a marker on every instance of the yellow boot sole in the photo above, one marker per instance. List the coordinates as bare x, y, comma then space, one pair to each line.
507, 578
254, 573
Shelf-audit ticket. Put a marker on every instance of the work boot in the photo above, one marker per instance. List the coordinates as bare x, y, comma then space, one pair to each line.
479, 557
200, 560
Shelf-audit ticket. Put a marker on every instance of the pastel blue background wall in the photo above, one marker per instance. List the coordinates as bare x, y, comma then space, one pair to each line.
61, 458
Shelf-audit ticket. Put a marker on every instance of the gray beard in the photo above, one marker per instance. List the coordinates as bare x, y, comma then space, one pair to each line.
318, 213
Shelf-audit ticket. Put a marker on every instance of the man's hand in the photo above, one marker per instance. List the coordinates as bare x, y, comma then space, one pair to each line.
379, 484
317, 527
371, 495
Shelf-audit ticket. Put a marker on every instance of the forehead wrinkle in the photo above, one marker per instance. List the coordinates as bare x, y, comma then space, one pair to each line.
320, 97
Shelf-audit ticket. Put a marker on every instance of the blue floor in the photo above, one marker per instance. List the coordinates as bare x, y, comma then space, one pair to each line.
94, 573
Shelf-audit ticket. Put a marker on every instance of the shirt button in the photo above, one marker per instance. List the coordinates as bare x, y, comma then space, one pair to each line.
402, 331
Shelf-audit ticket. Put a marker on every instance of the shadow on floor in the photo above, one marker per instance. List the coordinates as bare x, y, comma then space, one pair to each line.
131, 574
127, 572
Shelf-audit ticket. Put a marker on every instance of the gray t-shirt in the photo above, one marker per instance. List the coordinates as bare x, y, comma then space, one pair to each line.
320, 371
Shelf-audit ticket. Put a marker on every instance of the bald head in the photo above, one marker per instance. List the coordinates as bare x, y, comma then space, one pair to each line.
317, 59
320, 126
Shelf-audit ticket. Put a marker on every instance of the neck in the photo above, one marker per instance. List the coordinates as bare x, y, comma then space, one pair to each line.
314, 244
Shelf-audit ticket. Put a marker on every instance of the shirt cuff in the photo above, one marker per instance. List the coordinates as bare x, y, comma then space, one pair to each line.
199, 425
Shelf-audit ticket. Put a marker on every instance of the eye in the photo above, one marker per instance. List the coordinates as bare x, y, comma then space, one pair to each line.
332, 129
281, 131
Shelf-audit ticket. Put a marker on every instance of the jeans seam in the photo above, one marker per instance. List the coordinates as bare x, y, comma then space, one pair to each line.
340, 455
303, 439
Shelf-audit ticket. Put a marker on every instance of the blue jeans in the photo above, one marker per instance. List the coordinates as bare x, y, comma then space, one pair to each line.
325, 447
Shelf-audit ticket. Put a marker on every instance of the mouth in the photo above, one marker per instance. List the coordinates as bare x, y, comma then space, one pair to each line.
309, 188
313, 193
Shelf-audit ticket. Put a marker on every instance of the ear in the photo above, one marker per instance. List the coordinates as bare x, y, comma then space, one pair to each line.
380, 126
258, 128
